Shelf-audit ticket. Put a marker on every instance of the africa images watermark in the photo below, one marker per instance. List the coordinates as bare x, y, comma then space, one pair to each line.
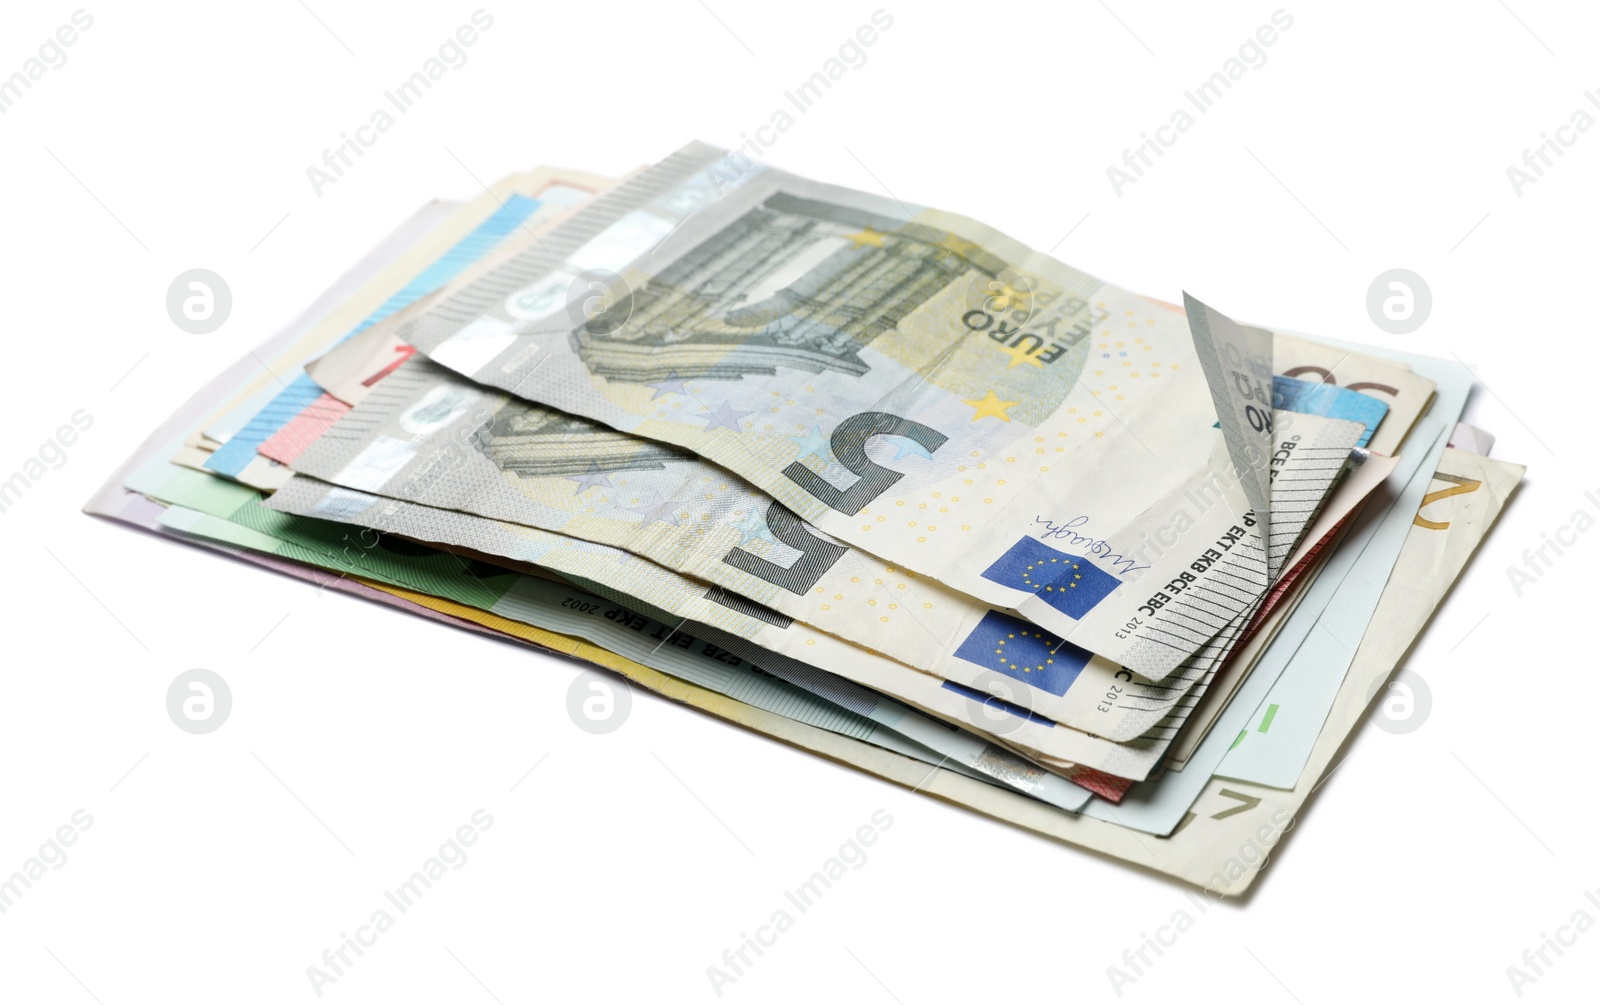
1536, 961
1250, 857
452, 55
851, 855
852, 55
52, 55
1186, 512
337, 962
1202, 98
52, 853
1537, 561
1543, 156
53, 452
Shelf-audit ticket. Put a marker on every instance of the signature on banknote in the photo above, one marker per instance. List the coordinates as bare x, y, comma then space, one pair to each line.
1073, 533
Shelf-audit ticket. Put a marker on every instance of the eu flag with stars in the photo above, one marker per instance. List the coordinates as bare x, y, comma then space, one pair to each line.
1069, 583
1026, 652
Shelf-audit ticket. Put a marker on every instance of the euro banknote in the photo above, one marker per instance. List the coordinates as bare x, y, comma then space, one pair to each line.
911, 383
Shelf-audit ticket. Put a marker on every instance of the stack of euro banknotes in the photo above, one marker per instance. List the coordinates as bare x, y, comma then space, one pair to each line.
872, 479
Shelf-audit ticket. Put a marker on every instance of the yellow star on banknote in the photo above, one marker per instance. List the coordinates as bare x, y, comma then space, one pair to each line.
1020, 355
989, 405
1011, 664
866, 236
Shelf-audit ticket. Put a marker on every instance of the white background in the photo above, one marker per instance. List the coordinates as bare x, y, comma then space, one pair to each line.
1376, 136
